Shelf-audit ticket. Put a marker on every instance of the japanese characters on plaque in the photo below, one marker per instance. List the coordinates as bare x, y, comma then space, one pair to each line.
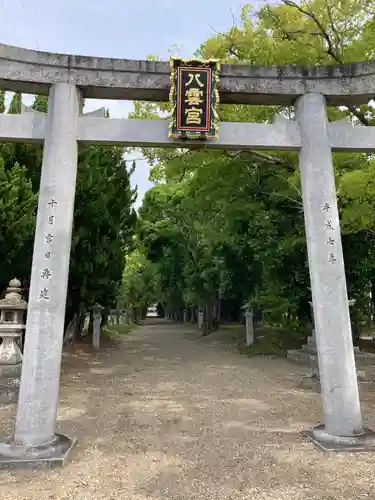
330, 241
45, 272
194, 97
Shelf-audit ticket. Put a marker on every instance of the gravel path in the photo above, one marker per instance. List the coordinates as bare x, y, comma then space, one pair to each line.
168, 415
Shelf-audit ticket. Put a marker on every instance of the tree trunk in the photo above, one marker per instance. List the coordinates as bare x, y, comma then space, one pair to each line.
210, 324
91, 325
105, 316
192, 315
217, 313
218, 310
134, 314
80, 325
373, 300
71, 330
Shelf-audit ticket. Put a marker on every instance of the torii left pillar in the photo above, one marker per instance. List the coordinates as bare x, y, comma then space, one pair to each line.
35, 442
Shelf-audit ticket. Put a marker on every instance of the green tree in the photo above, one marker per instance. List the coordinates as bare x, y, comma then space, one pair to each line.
17, 224
15, 104
138, 284
103, 227
230, 225
103, 218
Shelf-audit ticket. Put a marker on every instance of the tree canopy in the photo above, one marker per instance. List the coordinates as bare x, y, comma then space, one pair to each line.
219, 228
223, 228
104, 218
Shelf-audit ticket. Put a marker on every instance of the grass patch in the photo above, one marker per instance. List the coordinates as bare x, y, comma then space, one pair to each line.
274, 341
269, 340
115, 331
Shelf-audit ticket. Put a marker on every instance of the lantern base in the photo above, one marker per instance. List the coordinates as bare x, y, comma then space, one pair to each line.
10, 371
10, 352
55, 454
9, 390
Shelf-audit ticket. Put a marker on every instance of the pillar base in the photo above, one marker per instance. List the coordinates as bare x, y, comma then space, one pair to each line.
57, 453
327, 442
313, 381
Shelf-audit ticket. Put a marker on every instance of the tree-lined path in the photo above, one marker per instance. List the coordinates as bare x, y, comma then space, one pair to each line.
170, 415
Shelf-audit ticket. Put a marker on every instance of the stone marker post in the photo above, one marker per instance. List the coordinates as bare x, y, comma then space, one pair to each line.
249, 316
200, 318
342, 413
249, 323
35, 437
97, 321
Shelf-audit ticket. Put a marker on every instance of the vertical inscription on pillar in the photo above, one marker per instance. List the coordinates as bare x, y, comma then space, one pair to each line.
330, 240
52, 203
45, 272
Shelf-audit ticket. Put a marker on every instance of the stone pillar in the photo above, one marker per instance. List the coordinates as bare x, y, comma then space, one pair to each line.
39, 388
342, 413
311, 340
200, 318
97, 320
249, 316
185, 316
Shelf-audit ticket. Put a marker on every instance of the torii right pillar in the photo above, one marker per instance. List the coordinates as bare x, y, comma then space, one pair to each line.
343, 428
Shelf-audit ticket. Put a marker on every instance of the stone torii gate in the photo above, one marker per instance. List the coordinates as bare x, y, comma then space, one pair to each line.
65, 78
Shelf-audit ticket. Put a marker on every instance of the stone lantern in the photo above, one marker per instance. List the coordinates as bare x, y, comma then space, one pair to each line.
12, 326
308, 355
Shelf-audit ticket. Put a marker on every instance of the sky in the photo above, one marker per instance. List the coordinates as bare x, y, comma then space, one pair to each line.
129, 29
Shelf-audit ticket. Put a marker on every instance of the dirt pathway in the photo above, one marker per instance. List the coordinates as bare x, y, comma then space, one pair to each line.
168, 415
